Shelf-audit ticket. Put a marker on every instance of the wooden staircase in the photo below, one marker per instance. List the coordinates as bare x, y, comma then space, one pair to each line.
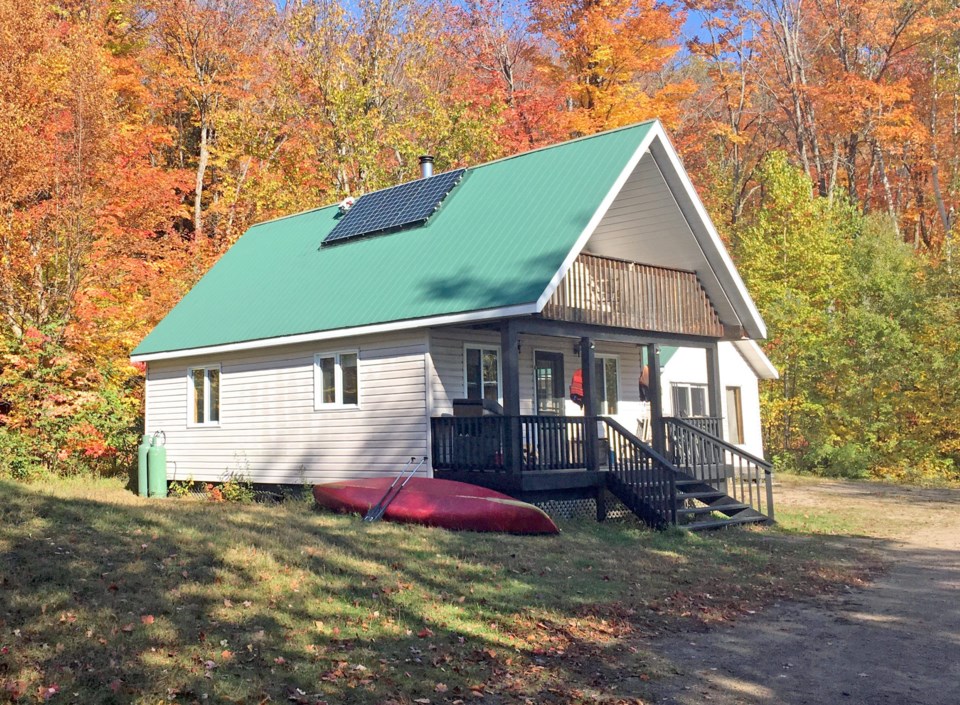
703, 482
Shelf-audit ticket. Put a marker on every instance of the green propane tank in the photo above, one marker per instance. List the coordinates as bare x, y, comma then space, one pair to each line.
157, 466
142, 465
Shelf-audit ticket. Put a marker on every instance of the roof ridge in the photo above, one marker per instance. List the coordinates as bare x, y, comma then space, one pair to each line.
622, 128
544, 148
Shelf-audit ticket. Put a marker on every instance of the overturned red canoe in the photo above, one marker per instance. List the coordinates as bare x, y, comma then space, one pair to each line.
443, 503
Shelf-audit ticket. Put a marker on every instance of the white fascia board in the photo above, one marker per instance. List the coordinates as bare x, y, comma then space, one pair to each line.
601, 211
699, 221
754, 356
445, 320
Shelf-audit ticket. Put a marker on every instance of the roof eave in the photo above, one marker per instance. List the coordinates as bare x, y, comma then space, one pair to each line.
319, 336
754, 356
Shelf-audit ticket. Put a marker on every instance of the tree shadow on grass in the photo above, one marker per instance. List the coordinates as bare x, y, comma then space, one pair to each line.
124, 600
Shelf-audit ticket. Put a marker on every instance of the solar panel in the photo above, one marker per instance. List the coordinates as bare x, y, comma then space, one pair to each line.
394, 208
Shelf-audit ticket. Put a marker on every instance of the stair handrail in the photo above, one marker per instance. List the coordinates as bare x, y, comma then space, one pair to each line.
665, 465
765, 465
644, 447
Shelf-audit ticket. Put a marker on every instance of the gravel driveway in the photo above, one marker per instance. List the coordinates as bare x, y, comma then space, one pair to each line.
897, 641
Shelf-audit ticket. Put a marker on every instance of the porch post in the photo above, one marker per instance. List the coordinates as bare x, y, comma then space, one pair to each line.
657, 435
713, 380
589, 403
510, 385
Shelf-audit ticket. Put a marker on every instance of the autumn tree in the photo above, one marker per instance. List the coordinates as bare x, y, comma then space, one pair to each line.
610, 59
204, 58
376, 88
511, 67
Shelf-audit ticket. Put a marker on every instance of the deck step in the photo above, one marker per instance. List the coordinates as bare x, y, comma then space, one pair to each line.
707, 509
724, 523
702, 496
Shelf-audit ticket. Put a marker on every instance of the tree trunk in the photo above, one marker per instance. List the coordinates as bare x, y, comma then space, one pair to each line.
201, 172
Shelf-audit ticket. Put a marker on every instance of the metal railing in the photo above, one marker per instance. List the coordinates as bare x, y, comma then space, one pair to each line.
709, 458
642, 478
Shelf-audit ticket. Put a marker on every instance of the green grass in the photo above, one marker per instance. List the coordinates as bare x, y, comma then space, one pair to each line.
109, 598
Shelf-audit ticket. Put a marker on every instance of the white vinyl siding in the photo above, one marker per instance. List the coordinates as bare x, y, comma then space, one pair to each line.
269, 429
448, 378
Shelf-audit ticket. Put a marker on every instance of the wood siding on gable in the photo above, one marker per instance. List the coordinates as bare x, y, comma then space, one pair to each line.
269, 430
609, 292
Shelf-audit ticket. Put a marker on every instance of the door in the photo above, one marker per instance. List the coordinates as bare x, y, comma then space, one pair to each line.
548, 383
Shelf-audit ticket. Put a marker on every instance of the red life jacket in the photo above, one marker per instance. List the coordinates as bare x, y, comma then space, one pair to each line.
576, 388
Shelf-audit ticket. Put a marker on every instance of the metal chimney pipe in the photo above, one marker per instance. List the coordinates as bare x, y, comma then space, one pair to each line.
426, 166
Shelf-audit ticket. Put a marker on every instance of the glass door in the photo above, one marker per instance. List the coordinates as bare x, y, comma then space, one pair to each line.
548, 383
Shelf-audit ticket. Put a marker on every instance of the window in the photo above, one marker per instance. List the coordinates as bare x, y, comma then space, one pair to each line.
483, 373
335, 380
203, 395
607, 385
734, 415
689, 400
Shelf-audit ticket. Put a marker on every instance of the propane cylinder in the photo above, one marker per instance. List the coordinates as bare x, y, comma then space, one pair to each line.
142, 466
157, 466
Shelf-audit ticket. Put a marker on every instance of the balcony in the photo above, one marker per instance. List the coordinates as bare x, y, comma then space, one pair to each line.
620, 294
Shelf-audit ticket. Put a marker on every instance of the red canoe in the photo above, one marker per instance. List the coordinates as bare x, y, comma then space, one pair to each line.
443, 503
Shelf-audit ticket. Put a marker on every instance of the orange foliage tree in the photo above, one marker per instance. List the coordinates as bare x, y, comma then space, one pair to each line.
610, 59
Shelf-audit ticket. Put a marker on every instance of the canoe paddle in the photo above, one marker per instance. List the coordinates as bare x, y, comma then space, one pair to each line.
377, 511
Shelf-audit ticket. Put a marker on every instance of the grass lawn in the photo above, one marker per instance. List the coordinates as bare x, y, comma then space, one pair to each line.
109, 598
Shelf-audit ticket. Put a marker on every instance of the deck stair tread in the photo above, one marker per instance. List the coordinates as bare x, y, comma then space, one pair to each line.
724, 523
709, 508
702, 496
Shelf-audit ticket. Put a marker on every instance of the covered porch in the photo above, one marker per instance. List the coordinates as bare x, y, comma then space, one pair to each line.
610, 319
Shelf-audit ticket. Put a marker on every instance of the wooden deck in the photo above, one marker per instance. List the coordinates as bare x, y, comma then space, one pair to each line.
701, 482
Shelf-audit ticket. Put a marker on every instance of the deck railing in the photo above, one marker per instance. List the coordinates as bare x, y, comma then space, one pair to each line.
611, 292
708, 424
479, 443
468, 443
552, 442
709, 458
640, 477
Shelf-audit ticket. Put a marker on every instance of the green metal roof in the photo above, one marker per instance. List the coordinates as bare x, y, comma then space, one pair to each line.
497, 240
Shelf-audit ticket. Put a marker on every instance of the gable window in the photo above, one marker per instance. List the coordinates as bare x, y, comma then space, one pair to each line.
606, 385
483, 373
734, 415
335, 378
689, 400
203, 395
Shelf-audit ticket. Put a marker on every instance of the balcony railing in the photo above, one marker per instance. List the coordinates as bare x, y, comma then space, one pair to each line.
610, 292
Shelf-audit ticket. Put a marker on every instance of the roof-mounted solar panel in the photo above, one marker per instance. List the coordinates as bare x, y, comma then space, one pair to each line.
394, 208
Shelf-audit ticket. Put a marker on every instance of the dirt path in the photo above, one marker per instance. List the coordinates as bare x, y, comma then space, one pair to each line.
897, 641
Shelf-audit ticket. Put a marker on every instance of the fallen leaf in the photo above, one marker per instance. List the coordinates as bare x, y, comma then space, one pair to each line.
127, 628
147, 618
424, 633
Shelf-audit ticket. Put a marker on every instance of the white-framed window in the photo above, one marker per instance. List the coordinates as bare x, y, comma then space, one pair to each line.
336, 383
606, 383
203, 396
689, 400
481, 371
